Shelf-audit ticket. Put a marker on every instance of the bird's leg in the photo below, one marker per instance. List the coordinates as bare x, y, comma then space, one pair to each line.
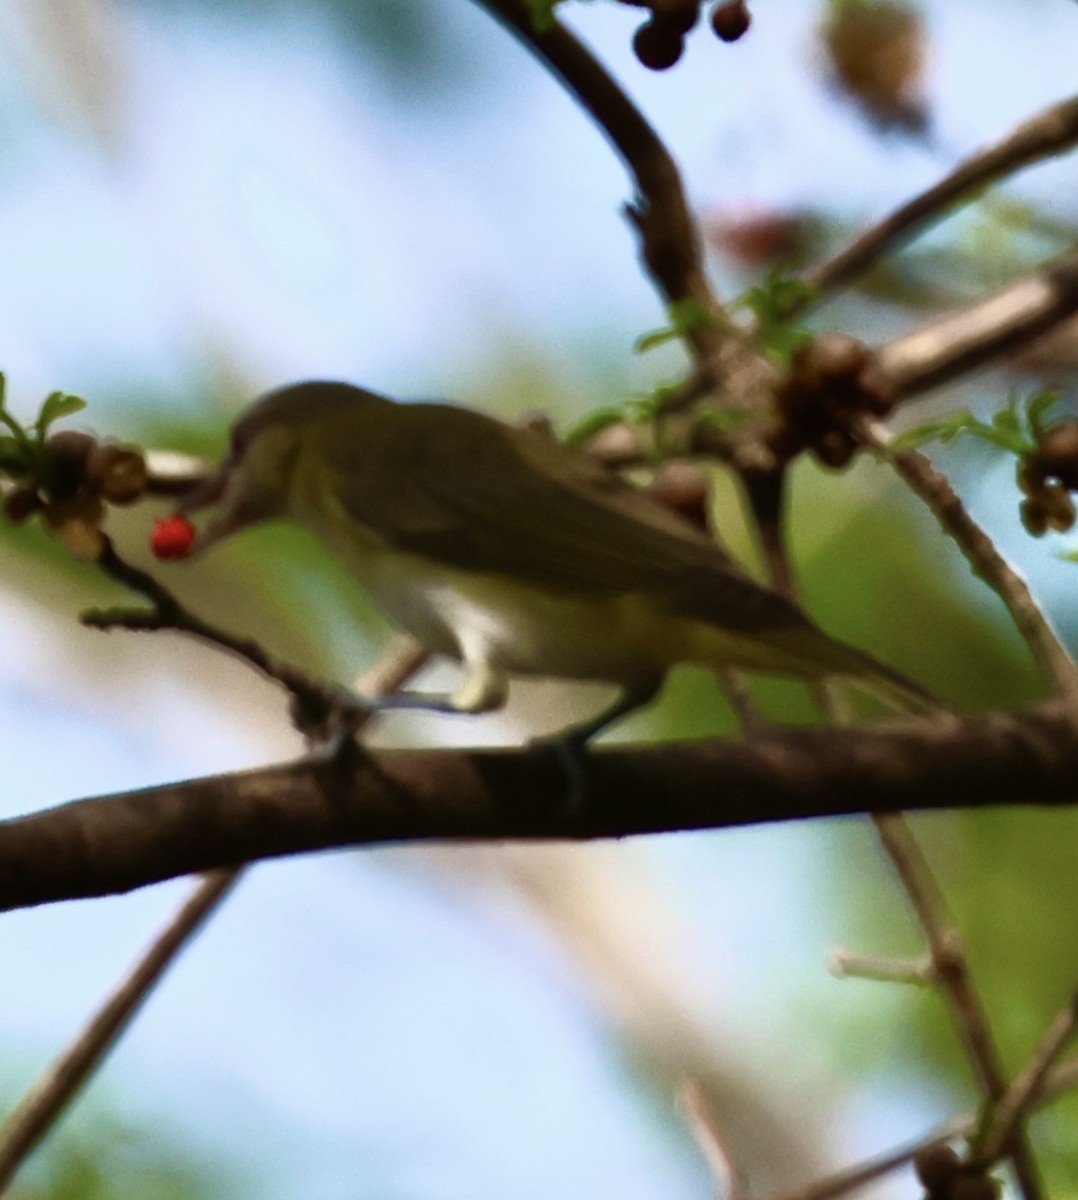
570, 745
484, 688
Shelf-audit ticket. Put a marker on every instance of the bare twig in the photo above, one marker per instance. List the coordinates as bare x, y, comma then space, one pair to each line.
847, 965
170, 473
1028, 1086
730, 1184
952, 971
973, 336
1052, 131
851, 1179
44, 1103
319, 711
1060, 1081
59, 1085
935, 489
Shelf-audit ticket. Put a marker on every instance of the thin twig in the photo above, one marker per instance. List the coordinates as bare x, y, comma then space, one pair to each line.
1028, 1086
846, 965
48, 1098
730, 1183
948, 958
1060, 1081
952, 971
172, 473
1050, 132
860, 1175
980, 551
167, 613
58, 1086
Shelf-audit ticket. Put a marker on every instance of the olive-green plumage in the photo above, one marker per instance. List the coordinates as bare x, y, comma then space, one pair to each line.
509, 551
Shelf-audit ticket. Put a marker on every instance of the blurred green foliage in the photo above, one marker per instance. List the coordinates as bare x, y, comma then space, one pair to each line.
101, 1159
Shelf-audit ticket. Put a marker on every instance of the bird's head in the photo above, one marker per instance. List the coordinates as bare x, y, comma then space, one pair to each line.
255, 480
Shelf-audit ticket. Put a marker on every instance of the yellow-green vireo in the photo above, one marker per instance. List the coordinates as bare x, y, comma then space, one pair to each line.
510, 552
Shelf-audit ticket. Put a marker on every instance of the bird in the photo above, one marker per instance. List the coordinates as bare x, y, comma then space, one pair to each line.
510, 552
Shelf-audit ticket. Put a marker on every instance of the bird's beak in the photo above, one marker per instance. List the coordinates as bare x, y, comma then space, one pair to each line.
214, 491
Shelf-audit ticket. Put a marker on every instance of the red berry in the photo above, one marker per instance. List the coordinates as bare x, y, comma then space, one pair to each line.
173, 537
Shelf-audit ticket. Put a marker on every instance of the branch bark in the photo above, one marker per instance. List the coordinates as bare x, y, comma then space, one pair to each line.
973, 336
116, 843
670, 241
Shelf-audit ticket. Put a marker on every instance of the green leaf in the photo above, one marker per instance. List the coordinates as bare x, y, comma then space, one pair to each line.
57, 405
685, 317
594, 423
769, 302
724, 419
1038, 406
944, 430
1006, 421
655, 337
1013, 428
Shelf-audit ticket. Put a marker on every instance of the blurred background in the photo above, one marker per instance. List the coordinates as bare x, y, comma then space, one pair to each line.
201, 200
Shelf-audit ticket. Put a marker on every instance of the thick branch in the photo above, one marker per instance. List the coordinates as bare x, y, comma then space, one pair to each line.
973, 336
116, 843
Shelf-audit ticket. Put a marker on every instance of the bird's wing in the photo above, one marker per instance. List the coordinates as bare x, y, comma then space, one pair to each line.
481, 496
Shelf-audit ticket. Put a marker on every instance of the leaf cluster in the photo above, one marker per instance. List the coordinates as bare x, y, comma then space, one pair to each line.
1016, 428
769, 302
22, 449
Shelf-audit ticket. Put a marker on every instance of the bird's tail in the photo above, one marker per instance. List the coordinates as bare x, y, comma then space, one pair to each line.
825, 655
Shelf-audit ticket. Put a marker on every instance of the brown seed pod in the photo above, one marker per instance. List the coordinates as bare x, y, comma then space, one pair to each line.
978, 1186
119, 472
1059, 508
75, 522
837, 356
658, 44
681, 15
1057, 453
835, 448
731, 20
937, 1166
21, 503
1034, 514
68, 452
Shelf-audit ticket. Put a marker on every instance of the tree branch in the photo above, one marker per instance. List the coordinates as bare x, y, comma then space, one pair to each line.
951, 969
971, 337
935, 489
42, 1106
115, 843
670, 241
1052, 131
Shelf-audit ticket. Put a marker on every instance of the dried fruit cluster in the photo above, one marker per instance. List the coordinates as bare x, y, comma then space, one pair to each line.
1047, 477
834, 382
659, 42
945, 1176
75, 477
